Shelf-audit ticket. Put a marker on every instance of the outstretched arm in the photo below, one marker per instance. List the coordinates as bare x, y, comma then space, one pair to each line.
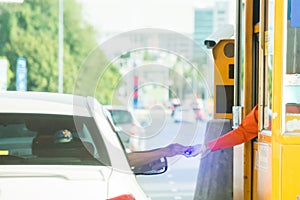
245, 132
140, 158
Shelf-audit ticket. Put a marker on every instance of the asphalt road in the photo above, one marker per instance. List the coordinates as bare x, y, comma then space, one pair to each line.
179, 182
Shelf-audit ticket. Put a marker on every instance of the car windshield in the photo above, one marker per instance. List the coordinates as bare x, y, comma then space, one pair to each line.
121, 116
35, 139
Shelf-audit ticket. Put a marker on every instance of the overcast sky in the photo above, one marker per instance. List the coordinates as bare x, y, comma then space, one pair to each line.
125, 15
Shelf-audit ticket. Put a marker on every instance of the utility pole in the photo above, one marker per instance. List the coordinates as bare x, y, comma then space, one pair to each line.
60, 46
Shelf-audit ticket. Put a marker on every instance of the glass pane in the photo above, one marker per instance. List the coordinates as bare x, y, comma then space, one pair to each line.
121, 116
269, 65
291, 99
291, 79
31, 139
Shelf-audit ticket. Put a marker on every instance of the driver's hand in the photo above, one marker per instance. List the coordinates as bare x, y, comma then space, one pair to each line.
174, 149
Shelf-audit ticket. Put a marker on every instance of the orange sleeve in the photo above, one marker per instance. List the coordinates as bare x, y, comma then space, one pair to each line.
245, 132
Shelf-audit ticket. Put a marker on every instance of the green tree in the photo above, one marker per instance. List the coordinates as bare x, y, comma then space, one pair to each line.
27, 30
30, 30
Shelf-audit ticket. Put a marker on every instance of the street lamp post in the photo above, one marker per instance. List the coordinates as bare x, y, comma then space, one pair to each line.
60, 45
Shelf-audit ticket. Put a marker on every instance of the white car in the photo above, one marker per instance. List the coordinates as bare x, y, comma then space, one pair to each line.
130, 131
59, 146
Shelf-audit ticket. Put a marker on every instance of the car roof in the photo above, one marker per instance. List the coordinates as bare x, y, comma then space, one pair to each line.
43, 103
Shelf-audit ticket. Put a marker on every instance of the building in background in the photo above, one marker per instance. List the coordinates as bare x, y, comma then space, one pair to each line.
211, 18
204, 25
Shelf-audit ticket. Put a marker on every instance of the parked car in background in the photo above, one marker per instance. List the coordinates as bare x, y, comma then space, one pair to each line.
188, 114
59, 146
127, 127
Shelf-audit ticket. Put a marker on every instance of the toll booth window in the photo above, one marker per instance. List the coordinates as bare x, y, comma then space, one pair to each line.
291, 79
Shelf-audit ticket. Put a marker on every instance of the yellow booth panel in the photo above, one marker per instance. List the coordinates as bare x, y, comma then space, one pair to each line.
290, 172
255, 162
223, 53
262, 171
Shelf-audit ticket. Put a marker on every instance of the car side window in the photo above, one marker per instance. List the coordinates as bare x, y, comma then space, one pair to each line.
50, 139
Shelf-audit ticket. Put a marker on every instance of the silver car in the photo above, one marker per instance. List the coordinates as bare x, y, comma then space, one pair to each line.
127, 127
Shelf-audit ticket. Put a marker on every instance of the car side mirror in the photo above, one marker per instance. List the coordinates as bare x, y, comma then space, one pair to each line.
153, 168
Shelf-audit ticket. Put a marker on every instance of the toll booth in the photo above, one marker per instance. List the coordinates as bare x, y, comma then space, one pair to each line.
215, 176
